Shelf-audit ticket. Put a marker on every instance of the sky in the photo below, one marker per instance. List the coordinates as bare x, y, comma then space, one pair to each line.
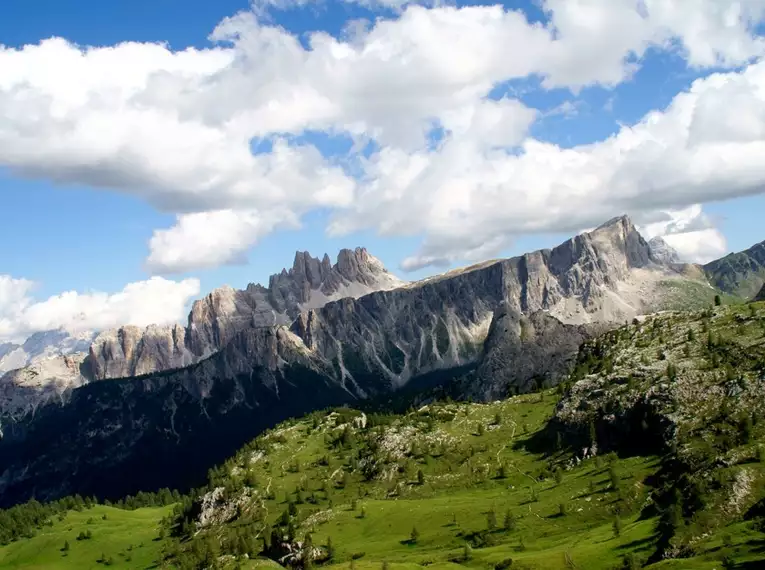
153, 150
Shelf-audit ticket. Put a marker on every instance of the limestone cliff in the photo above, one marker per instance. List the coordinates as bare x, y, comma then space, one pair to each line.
217, 318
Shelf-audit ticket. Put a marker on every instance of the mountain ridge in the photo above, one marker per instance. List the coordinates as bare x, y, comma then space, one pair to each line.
741, 273
348, 350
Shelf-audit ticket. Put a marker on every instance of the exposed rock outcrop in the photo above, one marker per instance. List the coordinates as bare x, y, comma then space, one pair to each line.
217, 318
662, 252
42, 369
41, 346
523, 352
47, 380
761, 295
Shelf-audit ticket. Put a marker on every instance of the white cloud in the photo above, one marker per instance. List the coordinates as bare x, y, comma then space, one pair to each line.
154, 301
207, 239
174, 127
701, 246
689, 231
463, 197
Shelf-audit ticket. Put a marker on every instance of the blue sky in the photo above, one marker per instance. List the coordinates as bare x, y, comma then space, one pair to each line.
83, 237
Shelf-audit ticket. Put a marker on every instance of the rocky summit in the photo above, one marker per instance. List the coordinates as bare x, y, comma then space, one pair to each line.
216, 319
250, 367
49, 364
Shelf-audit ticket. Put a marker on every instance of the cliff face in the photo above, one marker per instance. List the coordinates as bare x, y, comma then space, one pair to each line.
46, 381
606, 276
525, 352
216, 319
345, 350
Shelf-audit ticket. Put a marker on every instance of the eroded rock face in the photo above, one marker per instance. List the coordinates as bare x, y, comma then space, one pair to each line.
662, 252
521, 351
41, 346
217, 318
47, 380
185, 420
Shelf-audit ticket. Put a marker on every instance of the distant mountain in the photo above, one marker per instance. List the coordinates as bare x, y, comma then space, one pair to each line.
179, 422
216, 319
43, 345
741, 274
662, 251
49, 363
41, 370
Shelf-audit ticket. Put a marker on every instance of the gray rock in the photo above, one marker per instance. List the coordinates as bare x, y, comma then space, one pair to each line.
521, 351
217, 318
47, 380
662, 252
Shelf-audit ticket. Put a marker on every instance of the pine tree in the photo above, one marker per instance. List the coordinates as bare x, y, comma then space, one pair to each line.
420, 477
614, 477
467, 552
414, 536
330, 548
617, 526
491, 519
509, 522
66, 546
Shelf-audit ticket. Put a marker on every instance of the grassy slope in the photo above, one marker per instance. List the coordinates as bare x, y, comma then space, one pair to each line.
688, 295
452, 493
126, 536
459, 449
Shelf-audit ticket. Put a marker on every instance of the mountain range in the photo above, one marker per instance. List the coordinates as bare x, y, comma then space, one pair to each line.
179, 399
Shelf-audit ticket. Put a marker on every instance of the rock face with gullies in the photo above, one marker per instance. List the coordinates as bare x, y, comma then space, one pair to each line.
42, 369
216, 319
761, 295
180, 422
524, 352
605, 276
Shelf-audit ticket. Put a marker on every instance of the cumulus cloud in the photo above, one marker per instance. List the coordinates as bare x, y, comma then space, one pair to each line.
207, 239
176, 128
689, 231
463, 196
154, 301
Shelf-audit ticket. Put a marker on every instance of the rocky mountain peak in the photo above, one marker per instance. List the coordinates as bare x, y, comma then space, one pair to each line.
619, 237
43, 345
218, 317
662, 252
